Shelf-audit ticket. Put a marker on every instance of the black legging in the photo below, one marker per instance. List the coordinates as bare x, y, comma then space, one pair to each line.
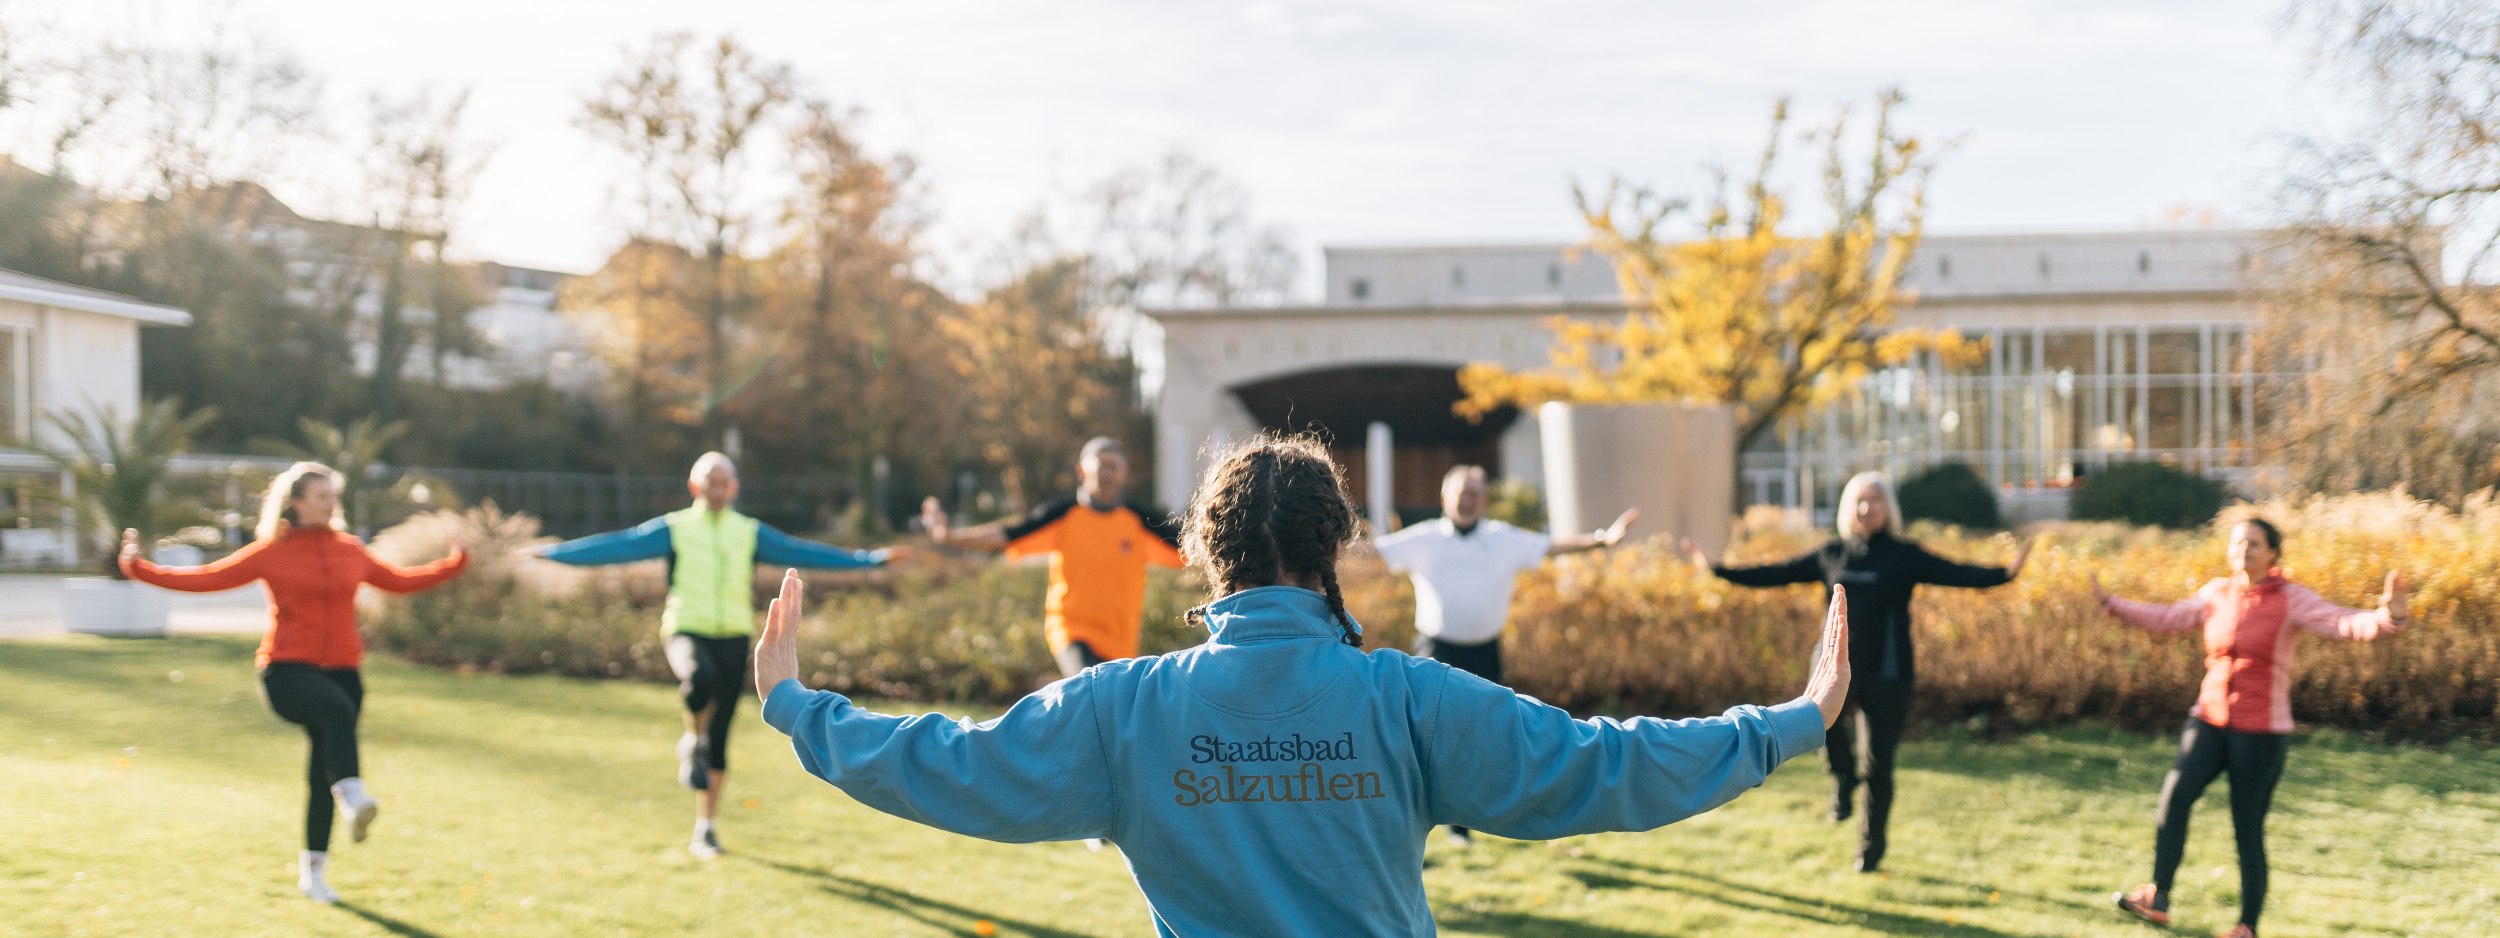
2255, 762
1860, 746
711, 675
1076, 656
325, 703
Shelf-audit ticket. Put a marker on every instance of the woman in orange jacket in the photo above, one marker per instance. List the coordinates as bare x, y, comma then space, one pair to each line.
309, 656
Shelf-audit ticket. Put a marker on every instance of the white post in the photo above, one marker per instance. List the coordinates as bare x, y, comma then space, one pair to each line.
1378, 466
69, 520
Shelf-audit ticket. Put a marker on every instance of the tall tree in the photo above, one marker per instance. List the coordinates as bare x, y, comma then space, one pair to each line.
418, 164
2381, 301
636, 307
1038, 378
692, 120
1737, 309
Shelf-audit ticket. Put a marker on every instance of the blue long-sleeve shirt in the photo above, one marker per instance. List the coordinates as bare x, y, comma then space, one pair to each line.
650, 541
1276, 781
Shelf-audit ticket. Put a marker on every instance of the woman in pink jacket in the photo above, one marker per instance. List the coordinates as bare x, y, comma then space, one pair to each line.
2243, 713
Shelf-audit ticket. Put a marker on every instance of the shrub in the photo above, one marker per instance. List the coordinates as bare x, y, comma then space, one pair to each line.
1634, 629
2148, 493
1950, 493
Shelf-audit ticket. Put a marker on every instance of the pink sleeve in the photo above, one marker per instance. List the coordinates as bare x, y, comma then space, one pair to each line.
2307, 609
2180, 616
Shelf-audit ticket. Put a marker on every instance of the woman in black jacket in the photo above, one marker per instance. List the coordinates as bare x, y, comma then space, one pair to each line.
1881, 570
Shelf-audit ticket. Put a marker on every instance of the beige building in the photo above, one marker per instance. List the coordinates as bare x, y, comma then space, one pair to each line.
2102, 347
67, 348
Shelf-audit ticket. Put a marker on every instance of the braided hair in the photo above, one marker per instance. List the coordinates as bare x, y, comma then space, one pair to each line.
1272, 508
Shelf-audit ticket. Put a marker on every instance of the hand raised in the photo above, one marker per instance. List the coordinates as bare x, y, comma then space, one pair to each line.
777, 652
2397, 599
2099, 595
1623, 523
1693, 552
2022, 555
933, 519
130, 544
1827, 682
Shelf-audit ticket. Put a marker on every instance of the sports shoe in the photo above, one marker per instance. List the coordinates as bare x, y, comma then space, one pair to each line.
361, 808
705, 845
310, 881
690, 768
1094, 844
317, 890
2242, 930
1459, 839
2144, 902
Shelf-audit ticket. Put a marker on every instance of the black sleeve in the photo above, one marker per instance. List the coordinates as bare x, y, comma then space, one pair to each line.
1161, 524
1942, 572
1803, 568
1042, 517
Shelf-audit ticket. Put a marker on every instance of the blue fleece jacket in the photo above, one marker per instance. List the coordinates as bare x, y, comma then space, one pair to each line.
1275, 781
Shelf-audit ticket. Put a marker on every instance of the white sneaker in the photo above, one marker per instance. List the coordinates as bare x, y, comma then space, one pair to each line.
310, 879
1459, 840
705, 845
1094, 844
361, 808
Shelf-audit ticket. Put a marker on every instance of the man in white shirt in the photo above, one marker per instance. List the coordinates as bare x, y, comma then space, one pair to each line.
1464, 566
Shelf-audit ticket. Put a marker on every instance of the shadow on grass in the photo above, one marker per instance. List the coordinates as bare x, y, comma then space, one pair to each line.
1772, 902
385, 922
931, 912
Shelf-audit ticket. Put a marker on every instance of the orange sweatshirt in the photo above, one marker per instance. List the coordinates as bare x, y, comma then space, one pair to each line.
312, 574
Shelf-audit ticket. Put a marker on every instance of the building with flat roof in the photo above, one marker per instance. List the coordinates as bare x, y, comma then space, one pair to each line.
2101, 347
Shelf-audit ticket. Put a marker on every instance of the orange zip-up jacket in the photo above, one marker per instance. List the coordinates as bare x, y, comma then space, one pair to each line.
312, 575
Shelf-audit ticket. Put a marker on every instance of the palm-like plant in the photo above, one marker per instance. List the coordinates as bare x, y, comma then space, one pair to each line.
118, 468
354, 450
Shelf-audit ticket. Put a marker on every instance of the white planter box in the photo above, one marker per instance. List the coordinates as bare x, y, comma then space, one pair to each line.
102, 606
1675, 462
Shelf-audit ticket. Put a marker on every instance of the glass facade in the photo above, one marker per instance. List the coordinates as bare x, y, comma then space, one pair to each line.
2043, 407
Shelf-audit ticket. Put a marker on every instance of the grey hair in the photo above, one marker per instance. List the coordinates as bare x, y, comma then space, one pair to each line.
704, 464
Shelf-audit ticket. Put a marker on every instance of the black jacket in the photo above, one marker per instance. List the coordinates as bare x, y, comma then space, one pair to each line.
1881, 573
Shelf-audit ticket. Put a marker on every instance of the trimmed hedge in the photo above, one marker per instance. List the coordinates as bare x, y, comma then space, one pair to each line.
1950, 493
2150, 494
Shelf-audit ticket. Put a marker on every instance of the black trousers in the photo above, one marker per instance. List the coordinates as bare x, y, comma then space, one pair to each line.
711, 676
1859, 748
2255, 763
1076, 656
325, 703
1482, 659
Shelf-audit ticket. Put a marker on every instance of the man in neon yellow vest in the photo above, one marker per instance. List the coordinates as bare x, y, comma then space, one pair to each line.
712, 551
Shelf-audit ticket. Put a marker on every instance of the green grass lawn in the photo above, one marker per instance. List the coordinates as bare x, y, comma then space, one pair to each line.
139, 804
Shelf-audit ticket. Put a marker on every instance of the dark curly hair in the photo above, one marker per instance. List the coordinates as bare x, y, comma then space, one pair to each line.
1272, 507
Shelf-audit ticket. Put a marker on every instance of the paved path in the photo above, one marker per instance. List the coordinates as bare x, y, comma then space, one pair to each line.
31, 605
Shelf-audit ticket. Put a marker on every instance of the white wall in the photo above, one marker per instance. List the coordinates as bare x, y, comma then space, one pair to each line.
78, 360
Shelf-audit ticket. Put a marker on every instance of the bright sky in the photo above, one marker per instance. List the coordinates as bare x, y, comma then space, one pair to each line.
1399, 121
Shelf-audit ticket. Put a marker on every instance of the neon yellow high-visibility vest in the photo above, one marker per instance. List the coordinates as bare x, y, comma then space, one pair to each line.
711, 578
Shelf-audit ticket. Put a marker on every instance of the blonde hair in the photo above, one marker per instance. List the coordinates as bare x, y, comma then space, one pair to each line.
276, 517
1845, 519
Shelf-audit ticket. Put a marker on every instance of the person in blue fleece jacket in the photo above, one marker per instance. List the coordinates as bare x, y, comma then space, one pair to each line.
1278, 779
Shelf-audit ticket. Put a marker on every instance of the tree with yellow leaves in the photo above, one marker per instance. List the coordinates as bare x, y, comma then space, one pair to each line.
1743, 312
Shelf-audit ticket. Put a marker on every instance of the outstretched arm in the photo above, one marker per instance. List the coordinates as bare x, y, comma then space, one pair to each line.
236, 569
646, 541
1519, 768
2311, 611
1803, 568
1037, 773
775, 548
2153, 617
1942, 572
399, 579
944, 533
1607, 536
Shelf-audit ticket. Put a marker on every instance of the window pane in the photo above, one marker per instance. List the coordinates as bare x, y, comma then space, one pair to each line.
2069, 351
2166, 416
2171, 353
